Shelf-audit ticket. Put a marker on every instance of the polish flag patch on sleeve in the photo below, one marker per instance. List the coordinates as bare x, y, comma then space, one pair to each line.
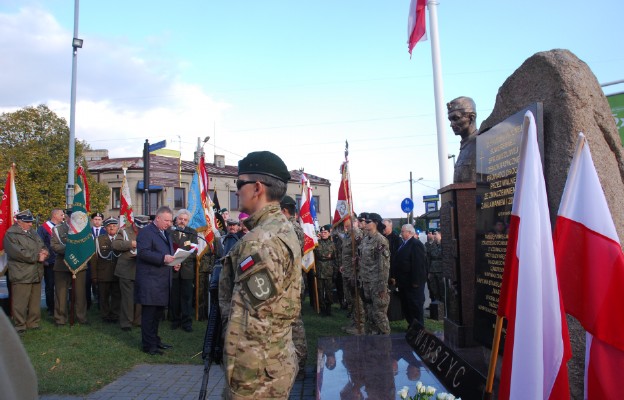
248, 262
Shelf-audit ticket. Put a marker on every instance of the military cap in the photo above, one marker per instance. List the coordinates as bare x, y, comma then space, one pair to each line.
110, 221
25, 216
287, 201
223, 210
264, 163
464, 104
232, 221
363, 216
325, 228
374, 217
141, 220
97, 214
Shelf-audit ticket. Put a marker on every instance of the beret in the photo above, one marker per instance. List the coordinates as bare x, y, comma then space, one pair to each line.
264, 163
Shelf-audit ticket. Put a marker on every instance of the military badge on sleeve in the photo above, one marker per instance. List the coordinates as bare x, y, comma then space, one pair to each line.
249, 262
259, 287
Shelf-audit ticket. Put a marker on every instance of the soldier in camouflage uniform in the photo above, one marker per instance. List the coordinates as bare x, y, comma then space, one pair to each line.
374, 273
348, 274
289, 209
259, 287
435, 281
326, 268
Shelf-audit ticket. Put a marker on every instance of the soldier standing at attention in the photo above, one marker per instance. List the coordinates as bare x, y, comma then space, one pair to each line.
374, 273
325, 259
349, 262
259, 287
435, 279
125, 245
103, 265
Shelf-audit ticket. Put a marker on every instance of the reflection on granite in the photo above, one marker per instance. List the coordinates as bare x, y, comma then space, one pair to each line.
368, 367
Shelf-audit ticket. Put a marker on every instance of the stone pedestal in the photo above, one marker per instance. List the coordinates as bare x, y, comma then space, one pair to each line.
457, 223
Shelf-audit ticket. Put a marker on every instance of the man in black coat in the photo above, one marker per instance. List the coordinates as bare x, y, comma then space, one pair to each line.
408, 271
153, 277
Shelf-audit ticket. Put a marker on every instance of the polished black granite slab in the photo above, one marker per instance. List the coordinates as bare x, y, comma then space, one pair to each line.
369, 367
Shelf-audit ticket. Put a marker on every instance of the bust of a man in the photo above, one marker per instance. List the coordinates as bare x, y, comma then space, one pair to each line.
462, 115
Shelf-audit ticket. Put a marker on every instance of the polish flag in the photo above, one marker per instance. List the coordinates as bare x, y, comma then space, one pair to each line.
307, 224
125, 213
8, 208
591, 265
343, 204
416, 26
537, 344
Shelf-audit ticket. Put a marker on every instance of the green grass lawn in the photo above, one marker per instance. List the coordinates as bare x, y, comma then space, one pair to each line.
81, 359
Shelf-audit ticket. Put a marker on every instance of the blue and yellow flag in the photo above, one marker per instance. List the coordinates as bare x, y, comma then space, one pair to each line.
80, 245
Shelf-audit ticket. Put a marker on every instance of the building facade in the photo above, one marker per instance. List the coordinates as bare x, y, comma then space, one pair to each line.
171, 177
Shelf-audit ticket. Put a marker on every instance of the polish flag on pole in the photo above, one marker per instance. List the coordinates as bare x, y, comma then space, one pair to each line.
125, 214
307, 224
8, 208
537, 344
590, 263
343, 205
416, 26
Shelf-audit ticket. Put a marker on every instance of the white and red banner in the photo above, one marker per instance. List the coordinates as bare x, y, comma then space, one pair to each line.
536, 344
307, 224
207, 232
416, 25
8, 208
343, 205
590, 263
125, 213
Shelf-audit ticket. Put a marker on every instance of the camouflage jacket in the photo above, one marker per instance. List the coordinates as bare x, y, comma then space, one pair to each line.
348, 270
375, 261
298, 231
434, 256
325, 259
259, 291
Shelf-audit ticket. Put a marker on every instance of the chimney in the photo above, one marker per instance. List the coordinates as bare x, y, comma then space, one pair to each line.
219, 161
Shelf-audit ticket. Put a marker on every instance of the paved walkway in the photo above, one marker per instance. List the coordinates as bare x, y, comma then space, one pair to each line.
172, 382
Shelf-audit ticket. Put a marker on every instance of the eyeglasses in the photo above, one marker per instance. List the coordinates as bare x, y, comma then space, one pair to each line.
240, 183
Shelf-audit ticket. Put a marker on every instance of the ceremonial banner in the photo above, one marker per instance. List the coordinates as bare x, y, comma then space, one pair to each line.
80, 171
201, 208
125, 214
537, 344
307, 224
590, 264
416, 26
8, 208
343, 205
80, 245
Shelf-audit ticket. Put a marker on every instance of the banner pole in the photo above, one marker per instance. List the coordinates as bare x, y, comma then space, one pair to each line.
493, 358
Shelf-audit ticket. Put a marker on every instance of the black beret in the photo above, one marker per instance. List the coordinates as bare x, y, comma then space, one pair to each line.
97, 214
288, 201
364, 215
374, 217
264, 163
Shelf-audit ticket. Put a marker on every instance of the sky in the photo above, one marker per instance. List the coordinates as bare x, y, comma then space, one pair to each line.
295, 78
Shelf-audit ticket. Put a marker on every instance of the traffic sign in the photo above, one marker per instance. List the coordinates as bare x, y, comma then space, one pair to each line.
407, 205
156, 146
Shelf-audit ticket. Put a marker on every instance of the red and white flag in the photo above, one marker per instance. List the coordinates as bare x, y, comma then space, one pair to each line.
416, 26
125, 213
343, 205
208, 231
537, 344
307, 224
590, 263
8, 208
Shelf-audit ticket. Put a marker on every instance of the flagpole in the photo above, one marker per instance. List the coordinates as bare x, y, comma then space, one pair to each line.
76, 43
438, 92
493, 358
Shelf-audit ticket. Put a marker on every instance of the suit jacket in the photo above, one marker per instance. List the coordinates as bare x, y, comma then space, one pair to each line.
153, 277
409, 265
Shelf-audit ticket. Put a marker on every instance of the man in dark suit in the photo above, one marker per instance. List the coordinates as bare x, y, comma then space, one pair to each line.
409, 272
153, 277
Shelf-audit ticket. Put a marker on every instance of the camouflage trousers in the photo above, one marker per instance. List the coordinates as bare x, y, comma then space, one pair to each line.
299, 339
357, 308
325, 288
435, 282
376, 308
203, 304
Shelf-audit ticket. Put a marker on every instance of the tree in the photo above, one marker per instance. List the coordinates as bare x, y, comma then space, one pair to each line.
37, 141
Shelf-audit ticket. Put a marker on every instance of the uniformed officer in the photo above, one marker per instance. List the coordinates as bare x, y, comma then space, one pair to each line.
103, 265
351, 242
374, 273
181, 299
326, 269
260, 285
435, 280
125, 245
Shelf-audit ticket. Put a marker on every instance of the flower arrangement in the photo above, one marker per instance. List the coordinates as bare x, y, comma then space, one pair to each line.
425, 393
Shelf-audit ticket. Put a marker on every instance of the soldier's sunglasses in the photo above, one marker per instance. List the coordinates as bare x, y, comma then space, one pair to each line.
240, 183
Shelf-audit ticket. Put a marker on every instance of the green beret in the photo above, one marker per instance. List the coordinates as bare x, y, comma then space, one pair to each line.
288, 201
326, 228
264, 163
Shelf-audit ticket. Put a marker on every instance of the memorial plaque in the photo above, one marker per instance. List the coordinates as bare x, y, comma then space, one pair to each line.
498, 155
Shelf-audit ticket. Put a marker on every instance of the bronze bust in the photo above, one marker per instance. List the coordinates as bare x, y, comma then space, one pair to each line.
463, 116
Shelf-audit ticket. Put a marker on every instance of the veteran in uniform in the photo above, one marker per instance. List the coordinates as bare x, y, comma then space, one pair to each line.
125, 245
374, 273
326, 269
103, 265
181, 299
26, 253
259, 287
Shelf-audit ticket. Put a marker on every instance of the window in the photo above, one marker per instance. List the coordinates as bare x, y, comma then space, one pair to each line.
154, 204
179, 198
233, 201
116, 197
